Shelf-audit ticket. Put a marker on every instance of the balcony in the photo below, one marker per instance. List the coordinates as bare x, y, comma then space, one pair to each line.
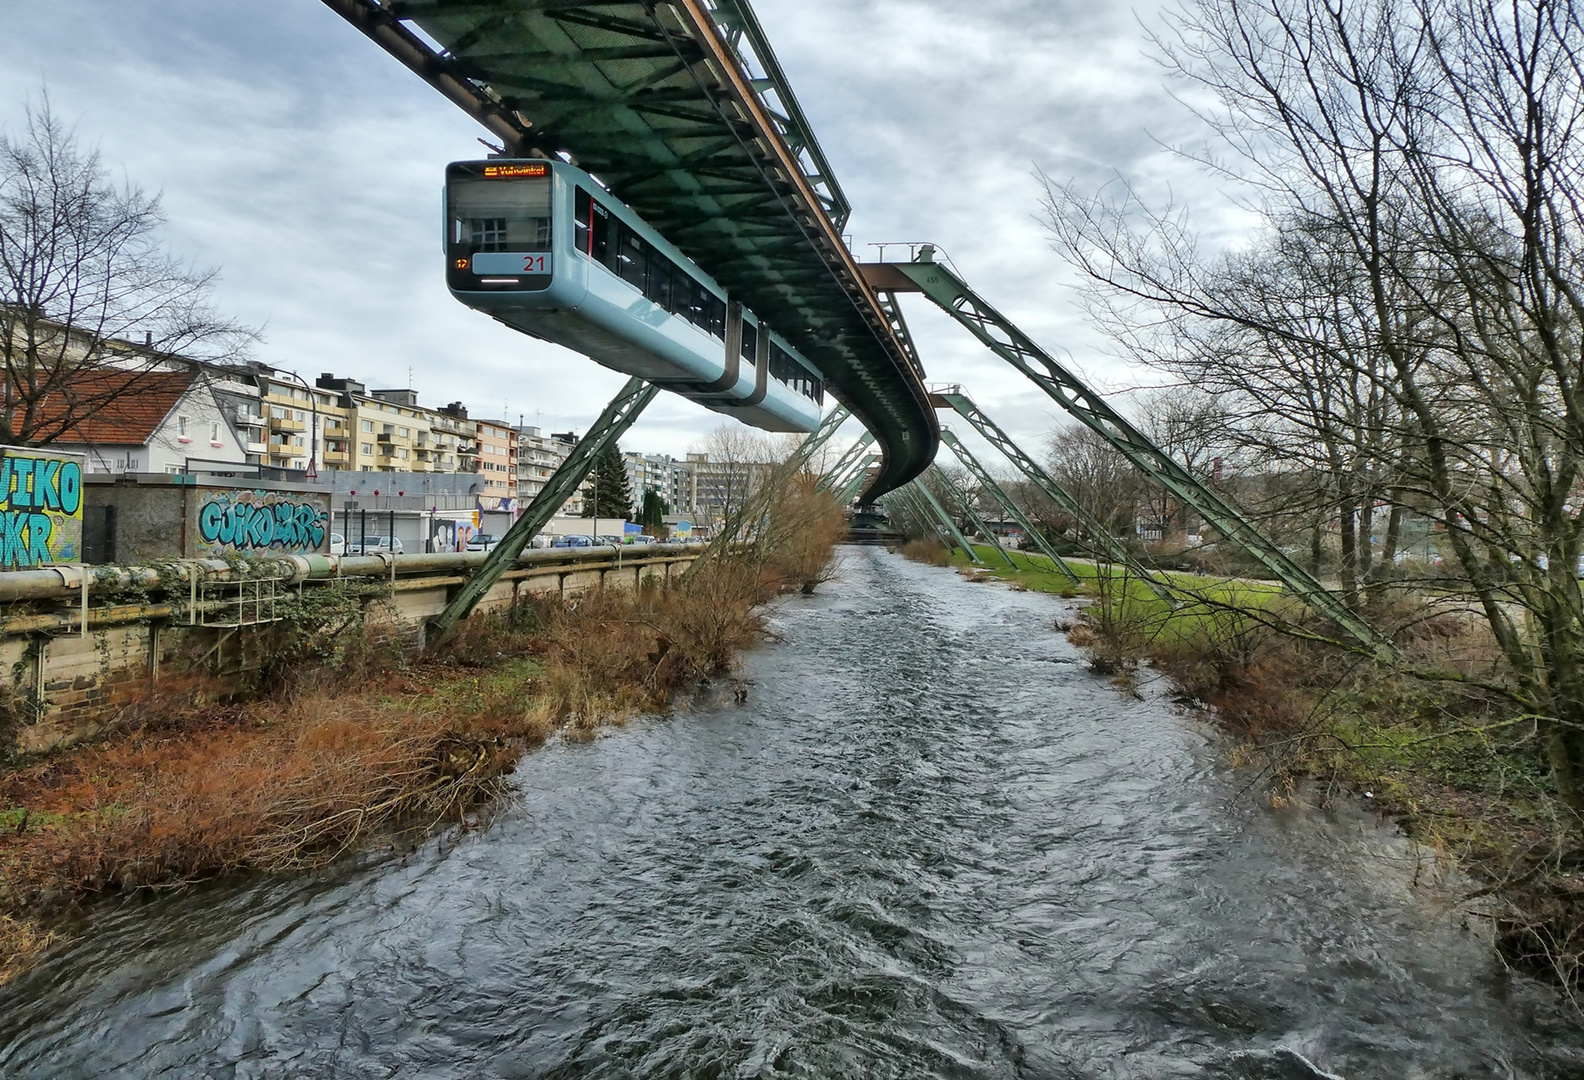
248, 420
386, 450
385, 437
284, 423
276, 450
336, 457
255, 447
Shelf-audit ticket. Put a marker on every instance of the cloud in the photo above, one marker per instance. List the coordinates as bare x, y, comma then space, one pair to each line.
298, 157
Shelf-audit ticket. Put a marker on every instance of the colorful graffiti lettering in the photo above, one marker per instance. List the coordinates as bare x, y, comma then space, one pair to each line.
40, 509
246, 522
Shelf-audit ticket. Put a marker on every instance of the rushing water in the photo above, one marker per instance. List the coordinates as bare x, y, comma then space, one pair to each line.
930, 844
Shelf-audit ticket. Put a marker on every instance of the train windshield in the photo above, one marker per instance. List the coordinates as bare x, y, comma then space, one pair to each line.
489, 215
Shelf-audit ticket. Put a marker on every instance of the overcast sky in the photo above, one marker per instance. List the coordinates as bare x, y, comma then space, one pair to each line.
306, 164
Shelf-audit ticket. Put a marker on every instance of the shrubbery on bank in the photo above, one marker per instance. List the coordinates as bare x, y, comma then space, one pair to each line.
329, 756
1431, 738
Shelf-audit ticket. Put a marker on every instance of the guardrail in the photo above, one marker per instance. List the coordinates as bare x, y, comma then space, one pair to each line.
77, 641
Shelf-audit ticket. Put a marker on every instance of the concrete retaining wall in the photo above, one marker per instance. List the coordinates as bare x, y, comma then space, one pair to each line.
61, 684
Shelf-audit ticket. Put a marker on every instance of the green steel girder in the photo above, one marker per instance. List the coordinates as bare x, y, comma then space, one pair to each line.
682, 110
618, 416
849, 490
828, 427
845, 462
916, 512
998, 334
945, 519
981, 526
1093, 533
1008, 507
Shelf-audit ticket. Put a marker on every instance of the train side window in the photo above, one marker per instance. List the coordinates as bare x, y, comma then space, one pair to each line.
634, 259
750, 341
582, 215
614, 231
659, 289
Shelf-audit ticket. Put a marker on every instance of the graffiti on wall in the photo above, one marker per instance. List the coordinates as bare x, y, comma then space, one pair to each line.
41, 513
261, 521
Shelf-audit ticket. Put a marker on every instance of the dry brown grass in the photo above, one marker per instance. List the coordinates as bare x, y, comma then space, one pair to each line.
930, 552
191, 787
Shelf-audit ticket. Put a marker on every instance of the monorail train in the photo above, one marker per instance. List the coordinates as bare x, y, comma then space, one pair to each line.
544, 249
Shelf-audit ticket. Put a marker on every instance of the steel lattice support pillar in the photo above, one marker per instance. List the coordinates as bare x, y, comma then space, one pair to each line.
945, 519
1008, 507
850, 489
918, 512
998, 334
822, 435
618, 416
979, 523
1100, 541
853, 453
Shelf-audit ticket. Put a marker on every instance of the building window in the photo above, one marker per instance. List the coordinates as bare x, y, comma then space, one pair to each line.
368, 425
367, 448
214, 432
404, 455
181, 425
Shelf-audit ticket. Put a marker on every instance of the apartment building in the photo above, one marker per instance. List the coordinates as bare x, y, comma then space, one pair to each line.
497, 459
538, 456
672, 479
388, 431
296, 426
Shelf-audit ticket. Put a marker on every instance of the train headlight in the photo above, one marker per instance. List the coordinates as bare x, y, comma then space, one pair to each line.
461, 264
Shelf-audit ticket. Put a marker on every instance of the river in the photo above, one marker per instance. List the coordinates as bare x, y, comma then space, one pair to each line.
930, 844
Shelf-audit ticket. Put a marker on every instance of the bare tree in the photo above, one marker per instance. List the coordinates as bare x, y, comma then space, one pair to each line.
1431, 153
1096, 475
90, 304
737, 461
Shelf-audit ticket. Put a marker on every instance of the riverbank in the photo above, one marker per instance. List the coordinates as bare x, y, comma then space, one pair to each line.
202, 782
1444, 755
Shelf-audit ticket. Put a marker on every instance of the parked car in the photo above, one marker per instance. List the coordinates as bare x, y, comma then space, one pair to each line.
483, 542
337, 544
375, 545
641, 538
613, 541
573, 540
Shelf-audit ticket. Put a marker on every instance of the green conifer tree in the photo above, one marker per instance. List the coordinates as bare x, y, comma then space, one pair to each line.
610, 497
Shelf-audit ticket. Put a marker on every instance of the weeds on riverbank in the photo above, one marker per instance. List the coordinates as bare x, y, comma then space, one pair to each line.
332, 755
929, 552
1432, 738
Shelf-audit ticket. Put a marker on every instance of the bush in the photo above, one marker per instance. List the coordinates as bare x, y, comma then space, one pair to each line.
930, 552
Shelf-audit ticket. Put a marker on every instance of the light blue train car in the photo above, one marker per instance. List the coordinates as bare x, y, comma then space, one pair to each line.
543, 248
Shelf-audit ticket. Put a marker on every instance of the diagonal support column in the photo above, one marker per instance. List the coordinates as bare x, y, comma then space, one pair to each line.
850, 489
854, 453
822, 435
1008, 507
618, 416
900, 505
997, 333
1093, 532
980, 525
945, 519
918, 510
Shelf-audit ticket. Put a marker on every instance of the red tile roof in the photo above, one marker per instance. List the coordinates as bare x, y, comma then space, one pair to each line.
112, 408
